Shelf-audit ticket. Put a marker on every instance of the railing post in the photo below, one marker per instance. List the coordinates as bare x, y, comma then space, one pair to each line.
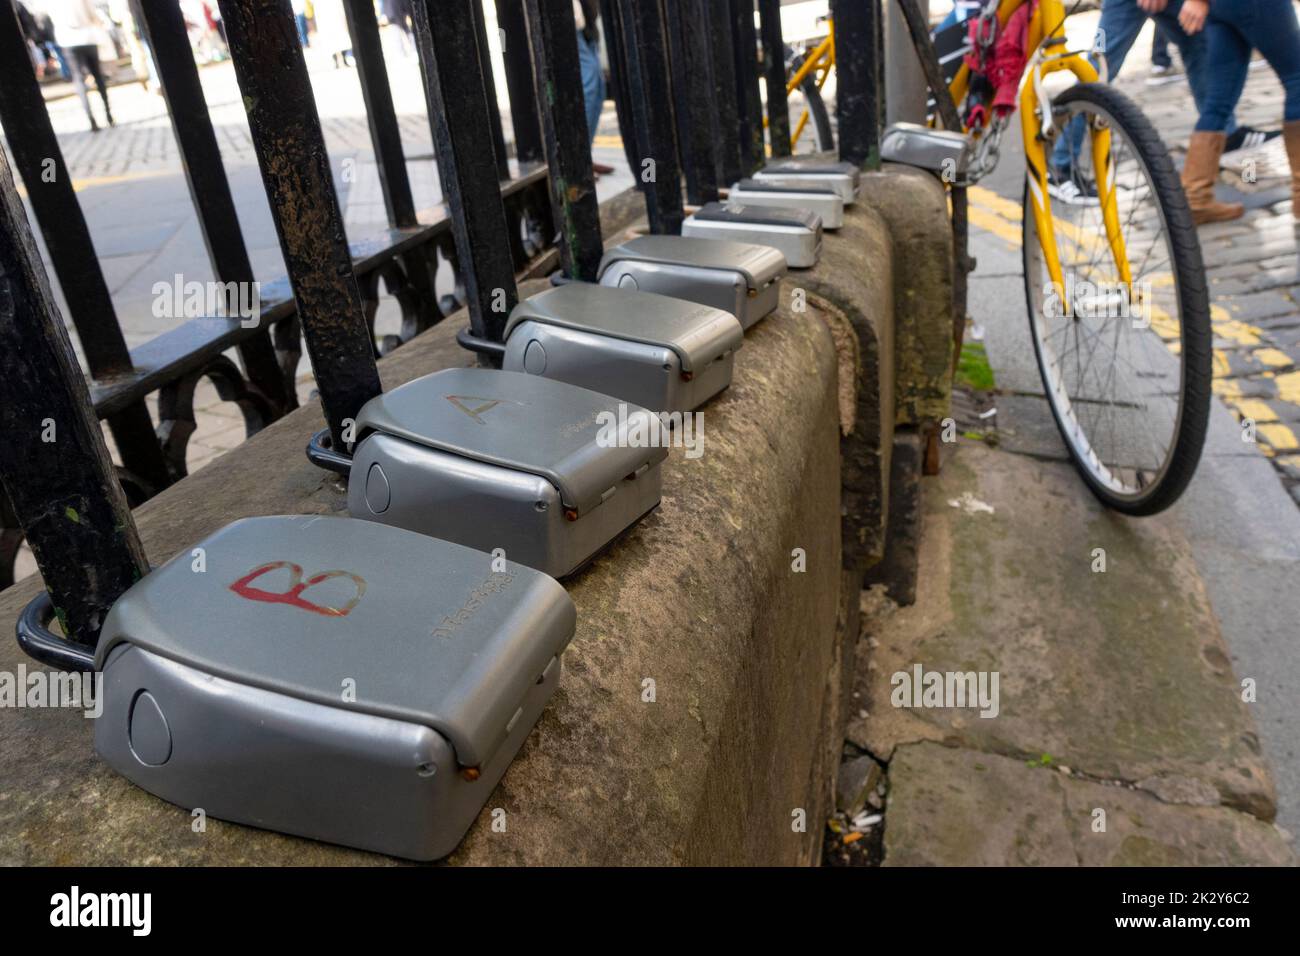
611, 22
692, 72
857, 91
650, 94
462, 138
726, 111
524, 122
553, 36
163, 27
53, 461
67, 240
778, 105
490, 92
290, 148
385, 135
748, 100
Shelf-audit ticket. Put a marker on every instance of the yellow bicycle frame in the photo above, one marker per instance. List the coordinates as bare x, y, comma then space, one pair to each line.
821, 58
1036, 124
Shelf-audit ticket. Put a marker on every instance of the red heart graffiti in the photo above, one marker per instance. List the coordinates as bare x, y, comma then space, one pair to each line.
293, 596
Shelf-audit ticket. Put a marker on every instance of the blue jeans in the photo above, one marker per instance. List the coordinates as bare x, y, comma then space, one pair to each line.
1160, 48
1234, 27
593, 83
1121, 22
962, 10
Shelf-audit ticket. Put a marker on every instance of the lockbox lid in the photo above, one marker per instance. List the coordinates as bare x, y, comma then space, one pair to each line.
926, 148
765, 186
515, 420
697, 333
812, 166
318, 608
758, 264
759, 215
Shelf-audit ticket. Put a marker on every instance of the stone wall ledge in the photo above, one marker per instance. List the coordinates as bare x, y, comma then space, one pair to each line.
746, 653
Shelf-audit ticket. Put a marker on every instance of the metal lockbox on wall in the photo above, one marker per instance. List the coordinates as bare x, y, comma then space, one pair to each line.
800, 171
823, 201
661, 353
738, 277
330, 678
543, 470
795, 233
945, 152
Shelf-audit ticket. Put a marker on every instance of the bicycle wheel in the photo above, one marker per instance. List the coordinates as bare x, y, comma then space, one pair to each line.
1126, 367
816, 106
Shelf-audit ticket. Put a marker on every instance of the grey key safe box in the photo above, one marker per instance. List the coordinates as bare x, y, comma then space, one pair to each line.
330, 678
825, 202
491, 459
664, 354
737, 277
795, 233
938, 150
843, 178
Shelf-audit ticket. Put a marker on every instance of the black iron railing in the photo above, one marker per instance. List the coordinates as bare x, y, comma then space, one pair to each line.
685, 77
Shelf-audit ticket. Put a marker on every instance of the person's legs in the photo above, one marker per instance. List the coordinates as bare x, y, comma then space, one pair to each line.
97, 71
1192, 51
593, 83
1228, 50
64, 68
1160, 57
78, 68
1270, 26
1121, 22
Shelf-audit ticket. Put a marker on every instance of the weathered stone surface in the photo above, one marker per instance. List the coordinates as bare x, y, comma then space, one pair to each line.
959, 807
701, 597
899, 569
914, 205
949, 806
853, 286
1121, 675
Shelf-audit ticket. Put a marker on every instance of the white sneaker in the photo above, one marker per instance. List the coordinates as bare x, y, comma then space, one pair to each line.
1069, 192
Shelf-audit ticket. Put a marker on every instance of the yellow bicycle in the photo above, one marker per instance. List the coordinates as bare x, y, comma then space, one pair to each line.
1116, 291
809, 71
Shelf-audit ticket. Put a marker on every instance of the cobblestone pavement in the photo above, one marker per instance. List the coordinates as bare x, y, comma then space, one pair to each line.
1253, 264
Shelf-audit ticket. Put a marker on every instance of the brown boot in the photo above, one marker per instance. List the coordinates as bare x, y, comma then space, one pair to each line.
1291, 137
1199, 175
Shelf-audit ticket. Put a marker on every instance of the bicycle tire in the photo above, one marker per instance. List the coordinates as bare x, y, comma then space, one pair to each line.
817, 112
1192, 296
820, 116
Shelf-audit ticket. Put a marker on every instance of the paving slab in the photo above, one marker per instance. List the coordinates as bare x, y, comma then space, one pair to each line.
951, 806
1121, 674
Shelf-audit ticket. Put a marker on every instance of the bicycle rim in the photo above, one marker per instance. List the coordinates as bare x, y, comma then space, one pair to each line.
1125, 368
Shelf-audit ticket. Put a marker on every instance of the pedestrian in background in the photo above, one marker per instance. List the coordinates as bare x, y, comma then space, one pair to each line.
1162, 64
585, 13
398, 14
593, 78
299, 8
1232, 28
332, 34
1121, 22
78, 28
